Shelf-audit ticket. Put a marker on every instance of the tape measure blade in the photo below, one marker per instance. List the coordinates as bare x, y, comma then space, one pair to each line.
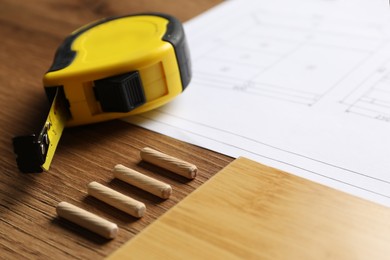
34, 153
54, 125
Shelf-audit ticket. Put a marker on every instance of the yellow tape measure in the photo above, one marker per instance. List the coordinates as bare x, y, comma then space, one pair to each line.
112, 68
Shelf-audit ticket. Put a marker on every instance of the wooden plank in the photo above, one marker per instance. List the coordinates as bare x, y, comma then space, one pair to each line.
252, 211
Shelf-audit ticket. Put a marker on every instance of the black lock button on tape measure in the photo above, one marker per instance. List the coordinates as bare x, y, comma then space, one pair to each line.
112, 68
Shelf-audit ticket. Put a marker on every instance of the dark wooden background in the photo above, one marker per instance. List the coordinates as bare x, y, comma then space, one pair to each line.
30, 33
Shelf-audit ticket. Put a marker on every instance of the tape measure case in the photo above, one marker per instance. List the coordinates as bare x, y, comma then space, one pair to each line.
112, 68
120, 66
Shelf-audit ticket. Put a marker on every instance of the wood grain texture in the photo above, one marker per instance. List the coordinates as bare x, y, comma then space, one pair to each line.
87, 220
116, 199
31, 31
169, 162
251, 211
142, 181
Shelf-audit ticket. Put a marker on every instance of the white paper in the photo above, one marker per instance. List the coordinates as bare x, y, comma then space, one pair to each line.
303, 86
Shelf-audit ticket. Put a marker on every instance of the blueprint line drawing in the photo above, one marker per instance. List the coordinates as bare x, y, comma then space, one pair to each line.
254, 65
304, 90
372, 98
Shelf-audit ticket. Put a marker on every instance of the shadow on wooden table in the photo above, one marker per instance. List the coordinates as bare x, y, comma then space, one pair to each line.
69, 227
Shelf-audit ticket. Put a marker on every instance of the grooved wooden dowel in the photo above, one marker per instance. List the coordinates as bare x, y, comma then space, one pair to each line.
116, 199
142, 181
87, 220
168, 162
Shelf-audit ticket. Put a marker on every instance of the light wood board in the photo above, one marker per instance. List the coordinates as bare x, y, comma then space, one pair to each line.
251, 211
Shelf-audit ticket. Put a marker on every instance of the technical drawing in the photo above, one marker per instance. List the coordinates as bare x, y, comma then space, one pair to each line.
372, 98
298, 59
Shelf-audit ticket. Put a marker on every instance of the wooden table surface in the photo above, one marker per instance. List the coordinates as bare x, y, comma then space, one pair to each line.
30, 33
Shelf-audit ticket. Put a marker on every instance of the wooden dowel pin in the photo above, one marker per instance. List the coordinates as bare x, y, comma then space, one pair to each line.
116, 199
87, 220
168, 162
142, 181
